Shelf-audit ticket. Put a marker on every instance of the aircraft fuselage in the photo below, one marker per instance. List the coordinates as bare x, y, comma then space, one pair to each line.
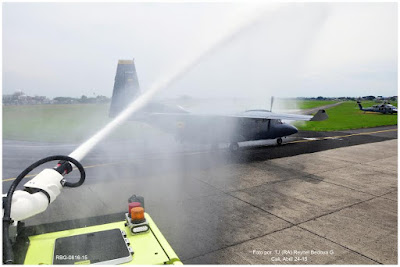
218, 129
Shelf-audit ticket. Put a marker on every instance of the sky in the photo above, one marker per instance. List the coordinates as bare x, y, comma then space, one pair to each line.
292, 50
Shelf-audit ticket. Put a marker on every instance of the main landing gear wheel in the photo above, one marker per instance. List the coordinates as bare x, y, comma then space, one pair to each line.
279, 141
233, 147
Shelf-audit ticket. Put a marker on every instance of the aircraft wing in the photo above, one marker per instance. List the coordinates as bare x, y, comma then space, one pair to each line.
245, 116
261, 114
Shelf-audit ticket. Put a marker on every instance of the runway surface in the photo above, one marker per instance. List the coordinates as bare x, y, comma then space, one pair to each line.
315, 192
19, 154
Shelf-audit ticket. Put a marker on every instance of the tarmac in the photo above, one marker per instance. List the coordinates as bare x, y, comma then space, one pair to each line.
341, 201
321, 198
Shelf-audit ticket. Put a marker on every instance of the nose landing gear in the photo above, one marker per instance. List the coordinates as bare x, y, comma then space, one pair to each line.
279, 141
233, 147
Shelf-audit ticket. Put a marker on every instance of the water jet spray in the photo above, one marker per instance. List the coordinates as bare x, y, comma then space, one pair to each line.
169, 79
46, 186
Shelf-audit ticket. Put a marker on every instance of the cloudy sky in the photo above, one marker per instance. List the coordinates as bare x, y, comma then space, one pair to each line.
311, 49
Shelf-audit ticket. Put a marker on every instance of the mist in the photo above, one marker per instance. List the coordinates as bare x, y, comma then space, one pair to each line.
141, 143
209, 58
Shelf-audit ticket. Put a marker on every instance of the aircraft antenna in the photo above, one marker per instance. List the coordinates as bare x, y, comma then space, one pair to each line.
272, 102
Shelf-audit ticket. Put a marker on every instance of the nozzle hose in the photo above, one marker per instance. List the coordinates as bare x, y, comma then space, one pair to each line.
8, 255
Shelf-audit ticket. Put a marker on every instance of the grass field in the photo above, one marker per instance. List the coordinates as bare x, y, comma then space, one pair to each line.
64, 123
348, 116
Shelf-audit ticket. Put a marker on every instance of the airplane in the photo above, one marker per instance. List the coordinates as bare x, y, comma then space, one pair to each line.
385, 108
250, 125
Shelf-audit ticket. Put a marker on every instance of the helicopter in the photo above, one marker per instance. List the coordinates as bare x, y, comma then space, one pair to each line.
384, 108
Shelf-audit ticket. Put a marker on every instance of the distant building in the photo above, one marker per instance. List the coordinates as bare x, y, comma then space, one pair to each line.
65, 100
20, 98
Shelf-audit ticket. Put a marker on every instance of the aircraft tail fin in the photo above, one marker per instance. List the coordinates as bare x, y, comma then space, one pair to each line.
359, 105
126, 87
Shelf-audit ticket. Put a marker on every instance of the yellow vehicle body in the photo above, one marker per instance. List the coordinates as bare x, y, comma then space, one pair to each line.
150, 248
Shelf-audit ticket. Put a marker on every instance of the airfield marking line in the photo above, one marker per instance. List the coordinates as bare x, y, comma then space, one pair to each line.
106, 164
339, 136
37, 146
303, 141
202, 152
389, 130
90, 166
133, 160
10, 179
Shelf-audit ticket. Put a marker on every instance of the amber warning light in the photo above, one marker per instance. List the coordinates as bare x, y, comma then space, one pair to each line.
137, 215
135, 218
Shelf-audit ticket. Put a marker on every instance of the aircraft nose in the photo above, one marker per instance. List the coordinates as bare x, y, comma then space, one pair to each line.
290, 129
